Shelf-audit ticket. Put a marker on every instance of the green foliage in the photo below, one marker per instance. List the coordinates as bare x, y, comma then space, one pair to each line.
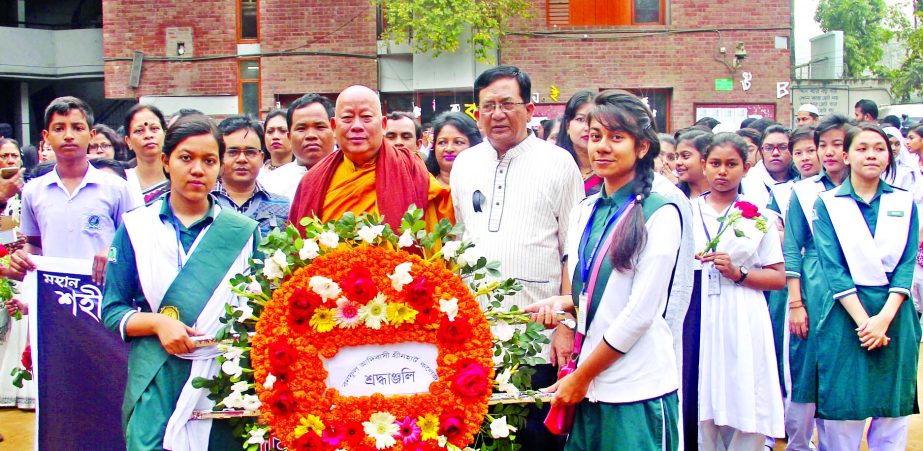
864, 32
437, 26
907, 81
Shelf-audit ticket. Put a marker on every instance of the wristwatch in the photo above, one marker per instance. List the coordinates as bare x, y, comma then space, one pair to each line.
744, 272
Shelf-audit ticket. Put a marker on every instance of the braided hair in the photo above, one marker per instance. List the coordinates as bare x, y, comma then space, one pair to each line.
621, 111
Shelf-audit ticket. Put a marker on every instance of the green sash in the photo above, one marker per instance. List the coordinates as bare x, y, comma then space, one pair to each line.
189, 293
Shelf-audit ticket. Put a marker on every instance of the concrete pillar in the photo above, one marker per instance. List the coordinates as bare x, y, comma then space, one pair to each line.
25, 108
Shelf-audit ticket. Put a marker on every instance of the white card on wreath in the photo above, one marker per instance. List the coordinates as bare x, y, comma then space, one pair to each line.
394, 369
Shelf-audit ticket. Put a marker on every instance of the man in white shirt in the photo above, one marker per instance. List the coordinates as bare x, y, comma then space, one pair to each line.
513, 194
312, 139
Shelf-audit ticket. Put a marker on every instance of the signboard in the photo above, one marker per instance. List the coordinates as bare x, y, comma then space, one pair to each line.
394, 369
827, 100
724, 84
734, 113
81, 367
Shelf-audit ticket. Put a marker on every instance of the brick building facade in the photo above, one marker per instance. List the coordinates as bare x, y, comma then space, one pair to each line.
304, 46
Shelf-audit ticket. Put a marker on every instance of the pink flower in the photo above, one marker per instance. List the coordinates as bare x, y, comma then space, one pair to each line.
471, 381
409, 432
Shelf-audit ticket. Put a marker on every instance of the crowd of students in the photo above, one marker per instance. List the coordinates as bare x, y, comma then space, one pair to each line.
722, 287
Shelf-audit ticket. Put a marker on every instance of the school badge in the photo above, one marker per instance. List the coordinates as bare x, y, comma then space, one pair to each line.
113, 255
170, 311
92, 222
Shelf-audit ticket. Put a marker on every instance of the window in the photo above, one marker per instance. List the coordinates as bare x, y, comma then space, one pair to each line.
658, 100
606, 12
248, 28
249, 87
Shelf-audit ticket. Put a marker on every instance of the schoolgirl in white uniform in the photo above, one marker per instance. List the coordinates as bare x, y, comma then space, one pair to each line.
740, 400
625, 240
867, 234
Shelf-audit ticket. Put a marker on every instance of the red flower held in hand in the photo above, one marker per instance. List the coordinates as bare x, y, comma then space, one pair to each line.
27, 358
471, 381
454, 332
747, 210
358, 285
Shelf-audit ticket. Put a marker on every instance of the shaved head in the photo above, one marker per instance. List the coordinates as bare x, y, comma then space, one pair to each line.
359, 124
358, 93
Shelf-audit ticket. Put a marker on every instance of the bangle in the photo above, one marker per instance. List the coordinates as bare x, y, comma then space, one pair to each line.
793, 305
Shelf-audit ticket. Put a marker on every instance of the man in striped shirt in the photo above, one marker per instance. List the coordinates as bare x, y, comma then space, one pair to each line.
513, 194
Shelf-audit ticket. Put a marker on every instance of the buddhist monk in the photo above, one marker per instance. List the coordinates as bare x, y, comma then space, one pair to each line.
366, 174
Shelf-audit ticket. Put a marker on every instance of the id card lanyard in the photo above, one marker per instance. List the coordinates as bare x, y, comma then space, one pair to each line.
589, 266
714, 276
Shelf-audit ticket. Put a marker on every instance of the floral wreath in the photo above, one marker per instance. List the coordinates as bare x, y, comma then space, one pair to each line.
354, 282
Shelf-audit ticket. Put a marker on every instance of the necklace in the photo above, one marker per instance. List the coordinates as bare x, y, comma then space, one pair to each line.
271, 166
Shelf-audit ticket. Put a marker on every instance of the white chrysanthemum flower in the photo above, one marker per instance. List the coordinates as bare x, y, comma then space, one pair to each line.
450, 249
406, 239
309, 250
251, 403
469, 258
329, 239
503, 331
369, 234
270, 381
233, 401
257, 436
499, 428
232, 368
324, 287
401, 276
449, 307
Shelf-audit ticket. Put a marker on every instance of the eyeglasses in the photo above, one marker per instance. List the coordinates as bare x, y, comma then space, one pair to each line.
249, 152
103, 146
770, 147
506, 107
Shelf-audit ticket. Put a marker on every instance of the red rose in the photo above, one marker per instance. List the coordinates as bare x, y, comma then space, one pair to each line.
471, 381
283, 401
3, 251
427, 315
747, 210
358, 285
27, 358
302, 304
419, 292
450, 425
309, 440
454, 332
281, 357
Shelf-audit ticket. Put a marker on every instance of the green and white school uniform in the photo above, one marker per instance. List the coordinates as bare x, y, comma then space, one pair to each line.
738, 377
632, 404
801, 262
867, 249
779, 197
159, 265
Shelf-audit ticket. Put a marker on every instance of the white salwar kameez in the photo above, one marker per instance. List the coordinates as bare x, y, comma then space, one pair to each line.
738, 377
